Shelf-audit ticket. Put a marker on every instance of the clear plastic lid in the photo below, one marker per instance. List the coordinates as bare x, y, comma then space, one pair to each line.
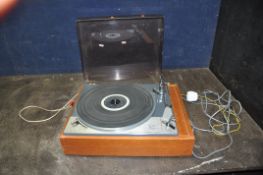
121, 48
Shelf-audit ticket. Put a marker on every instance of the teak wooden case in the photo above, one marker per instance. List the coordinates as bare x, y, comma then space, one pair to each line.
180, 145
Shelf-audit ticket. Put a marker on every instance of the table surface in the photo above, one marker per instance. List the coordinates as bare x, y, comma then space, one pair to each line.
28, 148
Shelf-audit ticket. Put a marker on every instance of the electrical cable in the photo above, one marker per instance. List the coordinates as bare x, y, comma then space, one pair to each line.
216, 151
67, 105
220, 121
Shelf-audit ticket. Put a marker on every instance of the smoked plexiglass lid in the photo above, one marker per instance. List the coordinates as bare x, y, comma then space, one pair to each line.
121, 48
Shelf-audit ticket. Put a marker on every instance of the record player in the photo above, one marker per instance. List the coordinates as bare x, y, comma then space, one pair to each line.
125, 107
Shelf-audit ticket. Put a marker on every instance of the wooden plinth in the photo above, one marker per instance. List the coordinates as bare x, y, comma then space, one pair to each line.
180, 145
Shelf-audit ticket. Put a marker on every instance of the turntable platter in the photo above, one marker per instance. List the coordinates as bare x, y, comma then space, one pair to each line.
115, 107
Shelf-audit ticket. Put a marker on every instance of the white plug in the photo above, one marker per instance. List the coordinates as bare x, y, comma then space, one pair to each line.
191, 96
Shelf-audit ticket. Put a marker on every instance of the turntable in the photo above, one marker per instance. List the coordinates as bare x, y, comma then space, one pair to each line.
125, 108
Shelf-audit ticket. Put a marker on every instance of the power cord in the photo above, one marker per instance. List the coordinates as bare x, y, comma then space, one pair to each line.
222, 122
67, 105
